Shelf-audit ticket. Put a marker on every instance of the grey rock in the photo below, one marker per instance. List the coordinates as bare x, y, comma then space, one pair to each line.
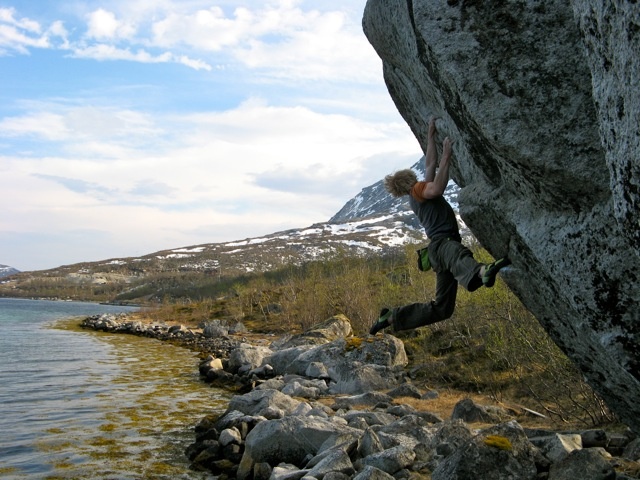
468, 411
263, 403
289, 439
363, 399
271, 384
246, 355
588, 463
557, 446
302, 409
336, 476
320, 386
617, 442
409, 430
405, 390
230, 435
239, 327
632, 451
173, 329
281, 359
372, 418
479, 458
452, 433
430, 395
215, 329
594, 438
370, 366
318, 412
297, 390
400, 410
331, 329
369, 444
347, 441
542, 104
234, 418
317, 370
358, 422
262, 471
372, 473
429, 417
391, 460
336, 460
284, 471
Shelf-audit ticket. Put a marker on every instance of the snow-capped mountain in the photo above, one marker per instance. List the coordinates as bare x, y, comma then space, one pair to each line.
5, 271
375, 200
371, 223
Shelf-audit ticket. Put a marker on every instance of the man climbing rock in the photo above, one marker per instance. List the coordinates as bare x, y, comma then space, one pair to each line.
452, 261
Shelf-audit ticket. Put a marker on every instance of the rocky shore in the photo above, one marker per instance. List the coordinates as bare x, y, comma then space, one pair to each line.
328, 405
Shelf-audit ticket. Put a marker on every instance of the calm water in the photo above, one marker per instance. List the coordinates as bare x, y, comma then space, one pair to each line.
82, 404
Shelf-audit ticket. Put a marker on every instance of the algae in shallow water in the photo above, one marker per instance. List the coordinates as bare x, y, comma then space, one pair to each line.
145, 419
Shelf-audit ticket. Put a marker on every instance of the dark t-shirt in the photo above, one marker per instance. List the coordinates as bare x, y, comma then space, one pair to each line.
436, 216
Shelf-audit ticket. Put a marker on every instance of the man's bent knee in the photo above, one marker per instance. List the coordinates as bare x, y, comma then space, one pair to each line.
443, 311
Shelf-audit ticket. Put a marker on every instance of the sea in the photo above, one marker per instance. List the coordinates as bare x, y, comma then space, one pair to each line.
80, 404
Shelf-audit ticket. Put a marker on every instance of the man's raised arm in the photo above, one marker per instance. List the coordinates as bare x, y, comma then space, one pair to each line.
439, 184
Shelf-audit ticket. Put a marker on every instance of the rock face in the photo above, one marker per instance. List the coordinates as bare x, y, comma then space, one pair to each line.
541, 100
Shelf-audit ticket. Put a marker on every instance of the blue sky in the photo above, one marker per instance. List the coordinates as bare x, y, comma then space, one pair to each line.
132, 126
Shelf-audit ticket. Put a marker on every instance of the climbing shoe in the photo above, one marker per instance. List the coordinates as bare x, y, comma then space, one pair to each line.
491, 271
382, 322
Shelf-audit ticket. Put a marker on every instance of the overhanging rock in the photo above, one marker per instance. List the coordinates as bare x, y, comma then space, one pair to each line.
540, 100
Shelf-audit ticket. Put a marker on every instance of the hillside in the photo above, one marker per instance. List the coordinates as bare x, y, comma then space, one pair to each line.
371, 223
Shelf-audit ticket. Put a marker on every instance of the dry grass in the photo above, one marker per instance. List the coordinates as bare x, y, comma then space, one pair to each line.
444, 404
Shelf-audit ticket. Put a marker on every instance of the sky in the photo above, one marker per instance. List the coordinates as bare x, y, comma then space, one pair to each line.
133, 126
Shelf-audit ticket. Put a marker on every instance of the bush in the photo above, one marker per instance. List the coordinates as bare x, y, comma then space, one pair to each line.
491, 344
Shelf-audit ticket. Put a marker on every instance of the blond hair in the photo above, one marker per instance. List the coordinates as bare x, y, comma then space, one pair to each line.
400, 183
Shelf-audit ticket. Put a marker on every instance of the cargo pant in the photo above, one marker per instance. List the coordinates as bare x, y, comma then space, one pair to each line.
453, 263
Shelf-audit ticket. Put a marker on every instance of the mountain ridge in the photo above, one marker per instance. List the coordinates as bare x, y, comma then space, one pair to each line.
6, 270
370, 223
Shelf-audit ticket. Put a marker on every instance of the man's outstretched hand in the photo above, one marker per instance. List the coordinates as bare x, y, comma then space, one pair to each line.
432, 126
446, 152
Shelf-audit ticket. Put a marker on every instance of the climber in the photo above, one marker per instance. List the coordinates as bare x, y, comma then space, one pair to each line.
452, 261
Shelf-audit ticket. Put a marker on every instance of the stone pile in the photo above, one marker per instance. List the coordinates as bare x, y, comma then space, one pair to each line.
330, 406
305, 416
212, 338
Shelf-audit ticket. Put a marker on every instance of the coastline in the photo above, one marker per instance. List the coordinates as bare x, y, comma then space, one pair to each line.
254, 367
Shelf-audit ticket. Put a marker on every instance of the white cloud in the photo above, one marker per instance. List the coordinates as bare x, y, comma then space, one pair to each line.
277, 37
279, 119
22, 34
74, 124
48, 125
204, 29
19, 34
7, 16
57, 29
255, 158
104, 25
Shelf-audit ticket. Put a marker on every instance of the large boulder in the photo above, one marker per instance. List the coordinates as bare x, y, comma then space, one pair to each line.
266, 403
352, 364
290, 440
501, 452
541, 101
331, 329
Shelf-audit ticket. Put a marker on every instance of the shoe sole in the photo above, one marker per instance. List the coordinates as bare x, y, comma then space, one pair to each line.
492, 272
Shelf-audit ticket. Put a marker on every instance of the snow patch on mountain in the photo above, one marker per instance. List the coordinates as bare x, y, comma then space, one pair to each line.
375, 200
6, 270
